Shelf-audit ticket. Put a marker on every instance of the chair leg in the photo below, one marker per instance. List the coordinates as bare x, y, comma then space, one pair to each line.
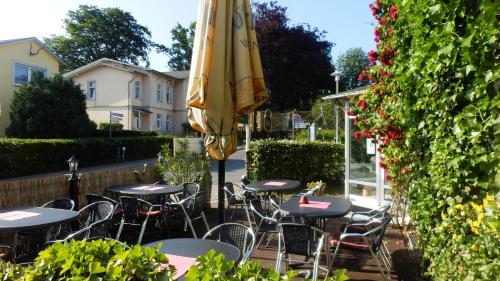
120, 228
205, 220
143, 229
337, 251
188, 221
378, 263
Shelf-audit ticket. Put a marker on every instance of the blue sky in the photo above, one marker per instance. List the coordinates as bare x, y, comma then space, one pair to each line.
347, 22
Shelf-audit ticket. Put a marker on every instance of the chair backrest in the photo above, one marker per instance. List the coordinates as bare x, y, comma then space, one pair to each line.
130, 206
100, 228
235, 234
245, 181
230, 194
378, 233
60, 203
97, 211
193, 205
261, 217
91, 198
81, 234
298, 239
190, 188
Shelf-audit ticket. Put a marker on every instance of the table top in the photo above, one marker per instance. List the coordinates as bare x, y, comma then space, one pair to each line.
146, 189
33, 217
319, 207
273, 185
190, 247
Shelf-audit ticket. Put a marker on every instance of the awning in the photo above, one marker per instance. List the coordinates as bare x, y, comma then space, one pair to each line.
143, 109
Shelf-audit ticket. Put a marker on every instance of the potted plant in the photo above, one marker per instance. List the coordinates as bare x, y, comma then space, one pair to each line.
314, 184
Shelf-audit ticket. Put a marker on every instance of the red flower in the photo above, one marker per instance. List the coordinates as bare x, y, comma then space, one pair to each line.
393, 10
350, 113
357, 136
381, 21
367, 133
362, 104
405, 170
387, 177
373, 55
356, 120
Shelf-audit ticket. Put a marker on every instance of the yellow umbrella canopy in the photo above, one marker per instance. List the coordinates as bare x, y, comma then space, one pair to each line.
226, 80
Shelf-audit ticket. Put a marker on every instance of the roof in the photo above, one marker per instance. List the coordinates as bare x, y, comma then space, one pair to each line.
19, 40
108, 62
350, 93
183, 74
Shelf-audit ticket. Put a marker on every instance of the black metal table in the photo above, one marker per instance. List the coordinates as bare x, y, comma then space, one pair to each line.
145, 189
33, 217
273, 185
320, 207
193, 248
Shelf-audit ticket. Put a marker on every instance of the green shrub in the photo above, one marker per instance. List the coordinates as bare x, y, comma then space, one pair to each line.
321, 135
302, 161
216, 268
93, 260
434, 104
114, 126
20, 157
123, 133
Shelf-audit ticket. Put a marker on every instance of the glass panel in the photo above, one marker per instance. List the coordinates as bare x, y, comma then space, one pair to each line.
363, 159
363, 190
20, 74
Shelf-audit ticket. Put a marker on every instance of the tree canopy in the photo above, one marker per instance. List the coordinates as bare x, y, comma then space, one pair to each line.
49, 108
296, 59
95, 33
182, 47
351, 64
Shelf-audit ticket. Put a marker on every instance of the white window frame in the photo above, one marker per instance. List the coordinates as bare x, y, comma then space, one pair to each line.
138, 90
169, 124
170, 94
159, 117
159, 92
138, 121
89, 96
30, 71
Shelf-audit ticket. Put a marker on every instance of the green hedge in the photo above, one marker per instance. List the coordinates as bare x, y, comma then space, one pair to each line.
122, 133
302, 161
20, 157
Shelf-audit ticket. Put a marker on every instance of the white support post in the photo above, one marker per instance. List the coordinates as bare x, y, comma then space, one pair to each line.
347, 147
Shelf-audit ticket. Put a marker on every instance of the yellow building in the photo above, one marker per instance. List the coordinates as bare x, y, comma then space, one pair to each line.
19, 58
145, 97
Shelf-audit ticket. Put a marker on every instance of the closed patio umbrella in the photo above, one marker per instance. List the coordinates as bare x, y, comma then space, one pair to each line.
226, 80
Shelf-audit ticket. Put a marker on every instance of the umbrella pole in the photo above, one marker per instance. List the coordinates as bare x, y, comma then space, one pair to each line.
221, 174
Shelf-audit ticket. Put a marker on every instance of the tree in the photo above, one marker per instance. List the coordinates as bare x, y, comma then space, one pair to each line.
182, 47
96, 33
351, 64
296, 59
49, 108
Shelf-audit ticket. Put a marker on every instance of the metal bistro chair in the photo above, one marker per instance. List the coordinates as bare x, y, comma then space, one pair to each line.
79, 235
136, 212
61, 203
265, 224
191, 209
238, 203
99, 215
6, 253
236, 234
371, 241
301, 240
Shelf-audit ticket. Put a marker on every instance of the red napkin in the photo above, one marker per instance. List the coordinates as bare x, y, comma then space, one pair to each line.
181, 263
316, 204
275, 183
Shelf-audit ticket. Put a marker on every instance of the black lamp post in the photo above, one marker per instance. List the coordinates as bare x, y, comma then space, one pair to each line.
74, 181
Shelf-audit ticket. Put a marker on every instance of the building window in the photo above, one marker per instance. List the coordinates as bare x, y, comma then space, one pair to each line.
170, 93
91, 90
158, 120
24, 73
137, 90
137, 121
159, 93
168, 124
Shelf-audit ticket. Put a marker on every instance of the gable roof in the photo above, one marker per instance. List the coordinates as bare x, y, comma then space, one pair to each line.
26, 39
114, 64
182, 74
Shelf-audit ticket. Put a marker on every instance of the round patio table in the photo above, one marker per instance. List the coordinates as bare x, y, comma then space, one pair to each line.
145, 189
319, 207
272, 185
190, 247
33, 217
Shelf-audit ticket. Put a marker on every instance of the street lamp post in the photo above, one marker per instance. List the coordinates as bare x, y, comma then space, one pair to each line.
337, 79
74, 180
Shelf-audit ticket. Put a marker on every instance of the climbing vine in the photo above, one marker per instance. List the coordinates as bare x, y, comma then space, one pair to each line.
433, 105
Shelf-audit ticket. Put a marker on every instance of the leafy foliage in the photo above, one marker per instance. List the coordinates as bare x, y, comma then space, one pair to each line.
49, 108
435, 108
182, 47
302, 161
216, 268
96, 33
181, 166
114, 126
296, 60
351, 64
94, 260
21, 157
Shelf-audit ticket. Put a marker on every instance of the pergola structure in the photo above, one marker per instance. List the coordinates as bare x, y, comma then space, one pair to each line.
364, 181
